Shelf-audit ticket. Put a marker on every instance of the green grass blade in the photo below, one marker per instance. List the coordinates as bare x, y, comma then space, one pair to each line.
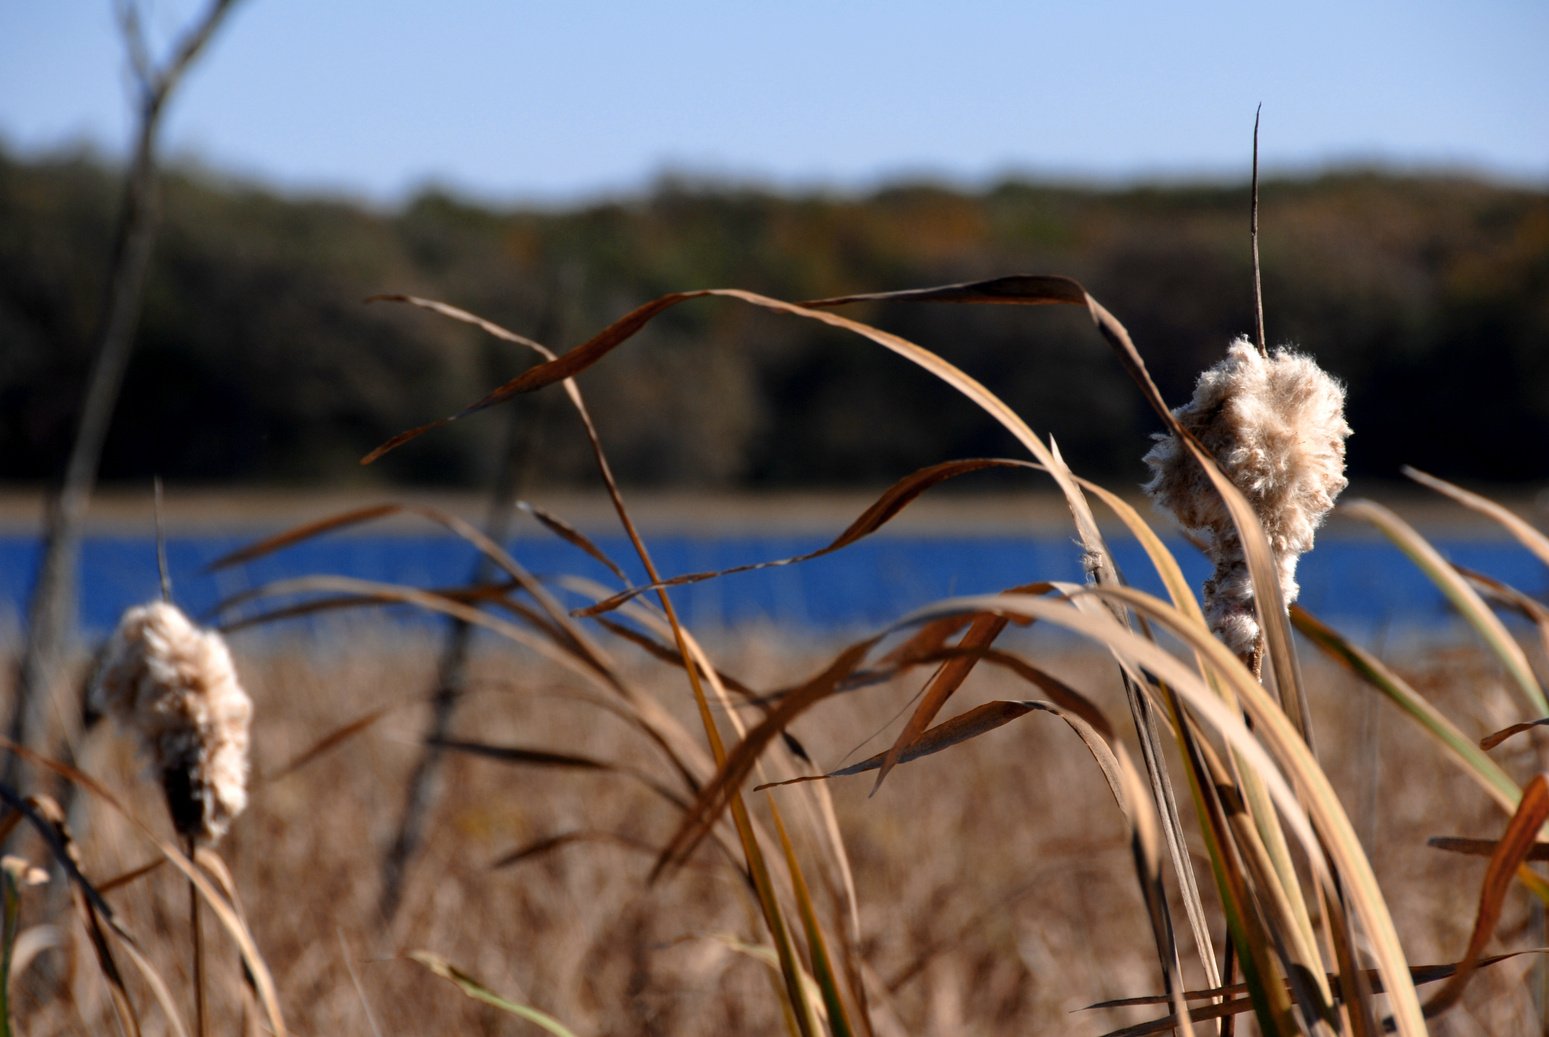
817, 947
1463, 750
479, 992
1462, 596
1528, 536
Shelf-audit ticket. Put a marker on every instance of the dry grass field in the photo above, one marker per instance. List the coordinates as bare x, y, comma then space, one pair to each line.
619, 845
995, 888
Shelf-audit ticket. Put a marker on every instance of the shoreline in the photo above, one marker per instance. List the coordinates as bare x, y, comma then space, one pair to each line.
816, 513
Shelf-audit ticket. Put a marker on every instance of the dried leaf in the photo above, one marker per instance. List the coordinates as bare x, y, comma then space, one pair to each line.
1516, 844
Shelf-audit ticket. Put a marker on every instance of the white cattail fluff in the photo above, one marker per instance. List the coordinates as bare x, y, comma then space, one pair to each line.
1276, 427
174, 687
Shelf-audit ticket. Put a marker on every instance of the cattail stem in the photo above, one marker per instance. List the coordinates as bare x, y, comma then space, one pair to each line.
198, 942
1253, 233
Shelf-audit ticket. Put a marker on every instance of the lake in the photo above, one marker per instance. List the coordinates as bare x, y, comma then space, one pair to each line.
1359, 583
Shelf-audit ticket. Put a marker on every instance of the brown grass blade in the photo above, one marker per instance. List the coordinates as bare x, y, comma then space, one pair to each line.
668, 654
1490, 741
973, 647
741, 759
1421, 974
943, 685
1515, 845
975, 722
229, 919
466, 595
1507, 596
893, 501
330, 741
129, 877
464, 317
574, 537
717, 795
548, 844
522, 756
48, 820
559, 622
1026, 290
1483, 847
559, 650
566, 366
306, 531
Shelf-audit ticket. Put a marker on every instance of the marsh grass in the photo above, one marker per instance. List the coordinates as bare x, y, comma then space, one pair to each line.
681, 838
995, 890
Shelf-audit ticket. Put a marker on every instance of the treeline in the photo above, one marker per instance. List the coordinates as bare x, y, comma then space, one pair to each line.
259, 361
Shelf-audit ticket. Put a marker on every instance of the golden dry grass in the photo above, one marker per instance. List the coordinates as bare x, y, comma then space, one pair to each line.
995, 885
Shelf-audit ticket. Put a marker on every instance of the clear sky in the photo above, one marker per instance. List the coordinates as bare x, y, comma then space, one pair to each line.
548, 101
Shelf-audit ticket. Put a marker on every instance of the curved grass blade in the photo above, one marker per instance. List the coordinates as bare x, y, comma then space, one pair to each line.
234, 925
1483, 847
479, 992
979, 720
1508, 597
522, 756
1490, 741
1317, 801
329, 742
475, 537
304, 532
550, 843
1527, 535
1515, 845
1489, 774
574, 537
1421, 974
799, 1008
48, 820
1460, 594
894, 500
379, 593
836, 1015
945, 682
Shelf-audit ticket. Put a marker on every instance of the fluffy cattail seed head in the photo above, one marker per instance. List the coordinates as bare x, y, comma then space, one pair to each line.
174, 687
1276, 427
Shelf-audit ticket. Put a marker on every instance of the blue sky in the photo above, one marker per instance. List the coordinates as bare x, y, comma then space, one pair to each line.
529, 101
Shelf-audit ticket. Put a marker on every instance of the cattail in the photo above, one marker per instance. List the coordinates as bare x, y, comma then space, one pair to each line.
174, 686
1276, 427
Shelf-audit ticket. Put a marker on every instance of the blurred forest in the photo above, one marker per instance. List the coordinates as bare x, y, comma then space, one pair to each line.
259, 363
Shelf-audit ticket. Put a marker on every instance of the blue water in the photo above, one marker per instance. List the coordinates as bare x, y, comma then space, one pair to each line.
1355, 582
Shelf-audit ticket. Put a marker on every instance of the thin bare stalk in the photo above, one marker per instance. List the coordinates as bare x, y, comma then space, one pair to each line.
517, 454
197, 934
1253, 233
51, 611
162, 571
